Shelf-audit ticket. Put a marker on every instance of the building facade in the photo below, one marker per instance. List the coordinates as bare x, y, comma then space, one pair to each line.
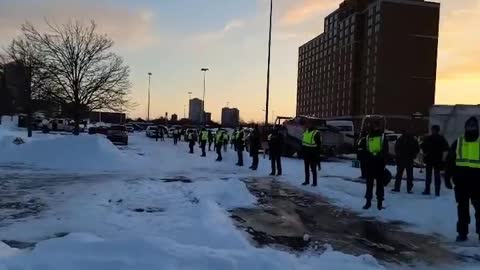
371, 60
230, 117
13, 82
194, 110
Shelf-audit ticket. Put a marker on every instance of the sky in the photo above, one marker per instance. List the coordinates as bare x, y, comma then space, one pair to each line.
174, 39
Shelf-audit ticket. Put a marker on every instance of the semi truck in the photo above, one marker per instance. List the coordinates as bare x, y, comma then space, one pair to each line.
452, 118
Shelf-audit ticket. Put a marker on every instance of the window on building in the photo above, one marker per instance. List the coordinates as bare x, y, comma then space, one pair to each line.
377, 28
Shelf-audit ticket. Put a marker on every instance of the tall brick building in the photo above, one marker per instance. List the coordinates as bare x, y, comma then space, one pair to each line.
374, 57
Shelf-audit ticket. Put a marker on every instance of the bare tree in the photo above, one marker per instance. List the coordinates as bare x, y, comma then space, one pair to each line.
82, 70
37, 82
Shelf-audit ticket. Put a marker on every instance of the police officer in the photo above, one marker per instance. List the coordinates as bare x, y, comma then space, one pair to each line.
463, 165
191, 141
232, 140
275, 146
310, 149
406, 150
434, 147
254, 143
203, 141
226, 138
239, 144
218, 144
176, 134
375, 161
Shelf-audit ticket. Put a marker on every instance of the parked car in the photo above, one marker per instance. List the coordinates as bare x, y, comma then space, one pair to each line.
130, 128
151, 131
118, 134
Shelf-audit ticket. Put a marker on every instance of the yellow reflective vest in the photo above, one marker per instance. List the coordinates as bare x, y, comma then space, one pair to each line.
309, 138
468, 153
374, 144
204, 136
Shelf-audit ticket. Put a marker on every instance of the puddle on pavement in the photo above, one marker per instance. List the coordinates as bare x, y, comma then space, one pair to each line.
286, 214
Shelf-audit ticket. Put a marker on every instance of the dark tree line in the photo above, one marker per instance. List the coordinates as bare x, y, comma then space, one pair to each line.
72, 65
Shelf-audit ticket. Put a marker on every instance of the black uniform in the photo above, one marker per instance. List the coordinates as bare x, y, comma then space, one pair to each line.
211, 139
375, 170
467, 184
162, 135
239, 144
433, 147
275, 146
406, 150
218, 145
254, 142
176, 134
191, 141
203, 142
310, 159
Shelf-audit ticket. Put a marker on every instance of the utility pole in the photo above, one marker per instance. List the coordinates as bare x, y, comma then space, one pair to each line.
148, 106
268, 68
202, 113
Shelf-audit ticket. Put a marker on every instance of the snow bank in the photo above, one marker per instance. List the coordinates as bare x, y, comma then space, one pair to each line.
228, 194
9, 122
85, 251
64, 153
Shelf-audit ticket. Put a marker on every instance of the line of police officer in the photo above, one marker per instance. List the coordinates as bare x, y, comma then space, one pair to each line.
462, 165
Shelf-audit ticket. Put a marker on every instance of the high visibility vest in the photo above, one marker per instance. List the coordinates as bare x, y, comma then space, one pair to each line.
468, 153
225, 137
237, 136
375, 144
309, 138
219, 137
269, 138
204, 136
190, 136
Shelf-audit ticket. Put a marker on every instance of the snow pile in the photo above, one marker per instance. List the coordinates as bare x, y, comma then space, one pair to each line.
86, 251
228, 194
8, 122
64, 153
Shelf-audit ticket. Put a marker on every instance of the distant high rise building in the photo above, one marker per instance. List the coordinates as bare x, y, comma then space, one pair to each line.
374, 57
174, 117
208, 117
194, 112
230, 117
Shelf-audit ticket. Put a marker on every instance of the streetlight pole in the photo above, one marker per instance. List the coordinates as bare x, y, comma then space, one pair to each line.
202, 113
268, 68
148, 106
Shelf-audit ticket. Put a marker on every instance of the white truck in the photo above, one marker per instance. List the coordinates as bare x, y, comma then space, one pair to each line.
332, 138
452, 118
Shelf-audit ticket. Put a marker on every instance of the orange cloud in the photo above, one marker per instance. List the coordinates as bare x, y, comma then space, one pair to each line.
130, 28
304, 10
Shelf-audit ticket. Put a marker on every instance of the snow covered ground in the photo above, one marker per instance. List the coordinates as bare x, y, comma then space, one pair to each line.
152, 205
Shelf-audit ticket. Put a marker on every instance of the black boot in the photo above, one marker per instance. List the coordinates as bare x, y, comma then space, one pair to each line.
305, 183
396, 190
272, 174
380, 205
367, 205
426, 192
461, 238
